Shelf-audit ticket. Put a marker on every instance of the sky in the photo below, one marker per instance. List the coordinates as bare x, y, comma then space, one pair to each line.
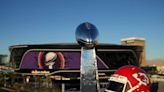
55, 21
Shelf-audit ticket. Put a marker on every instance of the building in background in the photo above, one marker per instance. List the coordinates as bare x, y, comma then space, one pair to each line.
135, 41
4, 59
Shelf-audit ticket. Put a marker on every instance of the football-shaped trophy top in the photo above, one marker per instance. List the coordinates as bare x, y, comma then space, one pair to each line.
87, 35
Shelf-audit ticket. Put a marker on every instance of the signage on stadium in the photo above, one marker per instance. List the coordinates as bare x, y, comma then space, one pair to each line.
35, 72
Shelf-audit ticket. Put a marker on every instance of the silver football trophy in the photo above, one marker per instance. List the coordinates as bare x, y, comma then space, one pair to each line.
87, 38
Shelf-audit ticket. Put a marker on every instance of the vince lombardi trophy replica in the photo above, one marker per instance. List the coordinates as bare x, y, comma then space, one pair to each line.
87, 38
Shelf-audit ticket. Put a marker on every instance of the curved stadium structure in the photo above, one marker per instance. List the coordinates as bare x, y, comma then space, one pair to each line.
61, 62
109, 56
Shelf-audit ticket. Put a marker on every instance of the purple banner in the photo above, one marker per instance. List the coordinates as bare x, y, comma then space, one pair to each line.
54, 60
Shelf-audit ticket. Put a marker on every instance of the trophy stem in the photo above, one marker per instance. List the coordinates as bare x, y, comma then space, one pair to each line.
88, 69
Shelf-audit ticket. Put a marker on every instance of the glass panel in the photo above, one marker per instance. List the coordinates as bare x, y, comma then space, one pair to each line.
105, 59
116, 59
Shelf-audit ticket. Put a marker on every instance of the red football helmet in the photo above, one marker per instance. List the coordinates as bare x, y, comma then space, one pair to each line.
129, 79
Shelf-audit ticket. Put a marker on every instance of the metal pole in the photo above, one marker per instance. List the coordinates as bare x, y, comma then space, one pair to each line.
63, 87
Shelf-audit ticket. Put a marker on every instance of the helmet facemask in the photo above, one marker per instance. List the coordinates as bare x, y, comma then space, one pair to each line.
117, 83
